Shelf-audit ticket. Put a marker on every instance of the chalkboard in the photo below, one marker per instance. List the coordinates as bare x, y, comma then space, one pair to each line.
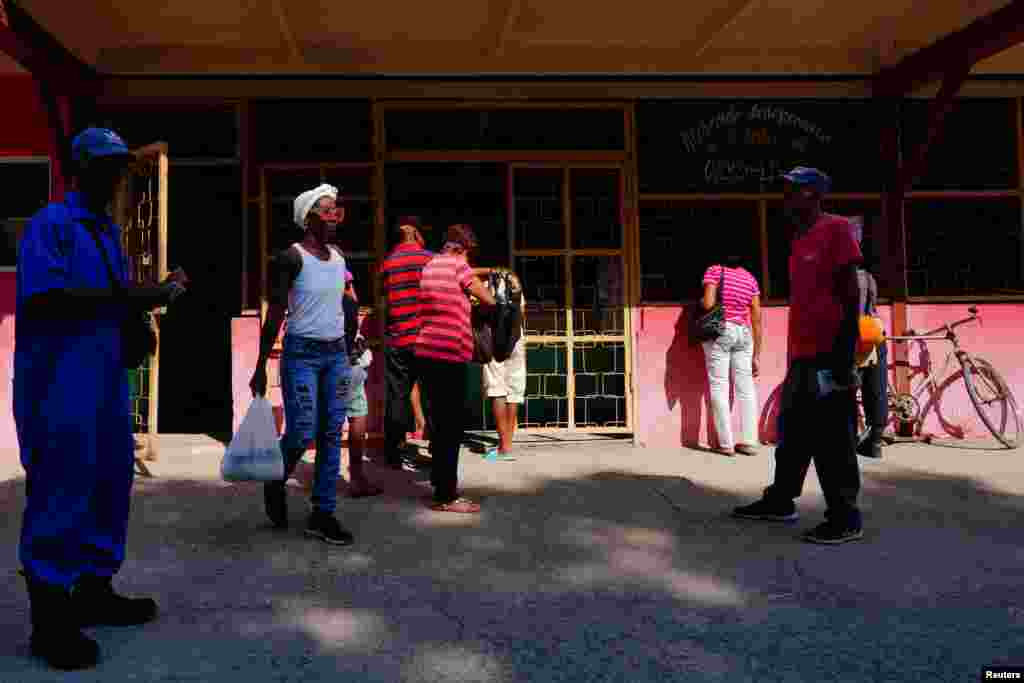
976, 149
702, 146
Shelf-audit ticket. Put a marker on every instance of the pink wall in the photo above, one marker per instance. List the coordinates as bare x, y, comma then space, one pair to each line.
949, 412
672, 381
671, 378
673, 402
245, 341
8, 436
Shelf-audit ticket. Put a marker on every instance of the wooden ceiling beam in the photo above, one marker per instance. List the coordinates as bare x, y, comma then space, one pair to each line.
31, 46
503, 16
984, 37
723, 19
286, 32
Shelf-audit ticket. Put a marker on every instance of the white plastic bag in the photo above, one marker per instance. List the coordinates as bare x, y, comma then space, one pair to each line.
254, 453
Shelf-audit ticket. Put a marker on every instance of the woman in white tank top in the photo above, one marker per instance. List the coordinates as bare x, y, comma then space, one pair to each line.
307, 281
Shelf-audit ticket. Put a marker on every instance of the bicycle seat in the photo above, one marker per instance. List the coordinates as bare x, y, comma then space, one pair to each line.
908, 333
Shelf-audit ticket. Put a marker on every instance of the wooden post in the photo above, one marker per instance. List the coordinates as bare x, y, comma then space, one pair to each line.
263, 243
570, 310
894, 243
163, 172
631, 227
899, 178
245, 157
762, 218
1019, 119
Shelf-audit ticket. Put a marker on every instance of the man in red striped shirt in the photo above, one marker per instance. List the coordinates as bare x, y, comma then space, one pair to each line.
400, 274
444, 349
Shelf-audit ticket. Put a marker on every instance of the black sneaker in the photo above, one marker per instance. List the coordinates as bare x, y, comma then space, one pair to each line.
768, 511
870, 448
395, 460
828, 533
325, 526
275, 502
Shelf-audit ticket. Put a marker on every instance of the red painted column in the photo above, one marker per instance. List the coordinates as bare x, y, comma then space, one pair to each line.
58, 115
894, 260
60, 174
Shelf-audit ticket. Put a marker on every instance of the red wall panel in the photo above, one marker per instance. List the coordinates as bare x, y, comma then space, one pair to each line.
24, 128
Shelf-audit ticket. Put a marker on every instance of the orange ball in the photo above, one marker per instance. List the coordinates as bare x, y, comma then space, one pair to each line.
872, 334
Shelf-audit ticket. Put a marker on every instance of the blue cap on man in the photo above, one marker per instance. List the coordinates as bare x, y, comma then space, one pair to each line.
95, 143
809, 177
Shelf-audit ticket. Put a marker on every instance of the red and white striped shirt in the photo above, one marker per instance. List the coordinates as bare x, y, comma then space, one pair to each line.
402, 269
738, 290
445, 328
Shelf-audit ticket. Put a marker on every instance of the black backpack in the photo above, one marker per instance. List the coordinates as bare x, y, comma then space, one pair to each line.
497, 329
508, 314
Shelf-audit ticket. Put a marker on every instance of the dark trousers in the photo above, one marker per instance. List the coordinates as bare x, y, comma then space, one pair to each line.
822, 429
874, 392
399, 377
444, 386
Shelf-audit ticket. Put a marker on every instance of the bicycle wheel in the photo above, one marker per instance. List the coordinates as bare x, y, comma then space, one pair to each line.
993, 400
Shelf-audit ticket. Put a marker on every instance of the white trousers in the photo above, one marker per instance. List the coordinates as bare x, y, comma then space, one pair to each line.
735, 350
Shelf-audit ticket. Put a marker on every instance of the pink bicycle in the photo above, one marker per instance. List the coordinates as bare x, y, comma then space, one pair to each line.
988, 391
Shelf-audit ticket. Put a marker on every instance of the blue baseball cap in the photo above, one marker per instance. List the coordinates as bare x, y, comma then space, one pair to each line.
95, 143
809, 177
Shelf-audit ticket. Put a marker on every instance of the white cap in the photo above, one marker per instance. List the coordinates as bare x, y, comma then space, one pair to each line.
307, 200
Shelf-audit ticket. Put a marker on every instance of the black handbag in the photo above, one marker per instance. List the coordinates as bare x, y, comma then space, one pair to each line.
138, 339
711, 324
483, 335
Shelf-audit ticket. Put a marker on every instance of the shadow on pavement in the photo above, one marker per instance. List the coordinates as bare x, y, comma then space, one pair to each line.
607, 576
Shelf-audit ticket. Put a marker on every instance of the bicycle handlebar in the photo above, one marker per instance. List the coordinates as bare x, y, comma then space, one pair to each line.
947, 329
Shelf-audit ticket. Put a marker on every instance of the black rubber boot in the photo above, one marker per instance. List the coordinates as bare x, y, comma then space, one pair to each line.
96, 604
55, 632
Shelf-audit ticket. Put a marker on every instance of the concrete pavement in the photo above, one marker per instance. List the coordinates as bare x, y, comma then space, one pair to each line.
590, 562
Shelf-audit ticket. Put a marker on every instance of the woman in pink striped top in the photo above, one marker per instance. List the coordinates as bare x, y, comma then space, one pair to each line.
738, 349
444, 349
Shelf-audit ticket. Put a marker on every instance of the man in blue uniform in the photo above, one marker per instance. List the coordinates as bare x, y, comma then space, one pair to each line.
71, 407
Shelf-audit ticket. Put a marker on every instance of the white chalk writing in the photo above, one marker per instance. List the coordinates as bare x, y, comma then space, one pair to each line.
693, 138
739, 171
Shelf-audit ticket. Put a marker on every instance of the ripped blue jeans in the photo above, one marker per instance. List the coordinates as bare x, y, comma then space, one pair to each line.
315, 378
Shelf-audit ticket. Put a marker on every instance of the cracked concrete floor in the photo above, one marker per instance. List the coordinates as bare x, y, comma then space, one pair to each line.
590, 562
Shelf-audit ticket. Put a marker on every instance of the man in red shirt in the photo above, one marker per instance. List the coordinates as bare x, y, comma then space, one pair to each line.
400, 274
818, 396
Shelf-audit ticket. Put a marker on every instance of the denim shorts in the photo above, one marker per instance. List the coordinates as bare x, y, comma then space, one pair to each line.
358, 406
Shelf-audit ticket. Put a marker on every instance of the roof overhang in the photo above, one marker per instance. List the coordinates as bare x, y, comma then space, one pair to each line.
489, 38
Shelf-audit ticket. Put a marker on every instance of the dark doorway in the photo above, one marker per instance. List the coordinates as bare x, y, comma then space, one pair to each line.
446, 193
195, 349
